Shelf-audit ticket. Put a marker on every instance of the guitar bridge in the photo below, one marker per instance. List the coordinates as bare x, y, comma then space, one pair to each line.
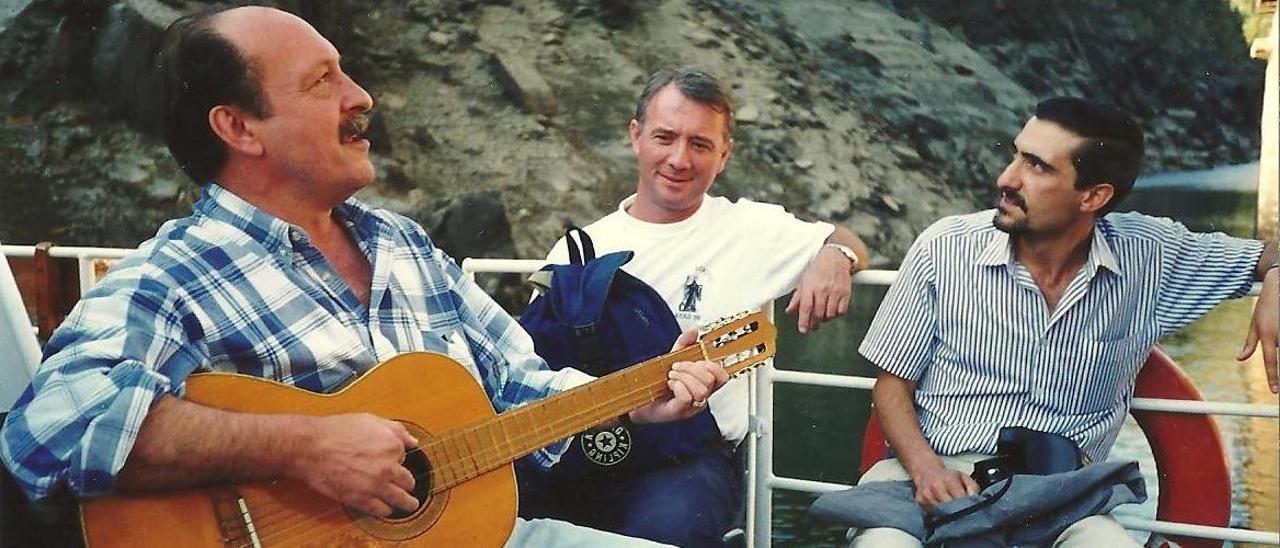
235, 522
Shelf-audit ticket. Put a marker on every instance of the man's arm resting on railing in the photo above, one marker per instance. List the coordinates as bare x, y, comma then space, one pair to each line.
935, 483
823, 290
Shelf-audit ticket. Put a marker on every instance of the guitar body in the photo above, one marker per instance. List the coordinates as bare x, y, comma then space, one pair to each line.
462, 464
429, 393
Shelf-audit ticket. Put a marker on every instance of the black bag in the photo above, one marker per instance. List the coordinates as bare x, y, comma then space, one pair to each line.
1021, 450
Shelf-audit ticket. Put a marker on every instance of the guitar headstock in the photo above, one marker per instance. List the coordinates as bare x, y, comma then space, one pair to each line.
739, 342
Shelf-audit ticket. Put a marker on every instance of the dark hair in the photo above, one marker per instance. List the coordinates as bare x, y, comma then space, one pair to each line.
694, 84
202, 70
1113, 147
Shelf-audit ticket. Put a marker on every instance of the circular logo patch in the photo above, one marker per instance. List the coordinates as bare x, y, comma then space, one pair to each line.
606, 446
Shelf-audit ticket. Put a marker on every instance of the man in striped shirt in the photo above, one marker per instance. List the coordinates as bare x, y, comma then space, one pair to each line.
1039, 313
278, 274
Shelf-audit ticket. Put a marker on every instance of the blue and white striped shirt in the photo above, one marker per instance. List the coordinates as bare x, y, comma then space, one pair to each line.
968, 324
234, 289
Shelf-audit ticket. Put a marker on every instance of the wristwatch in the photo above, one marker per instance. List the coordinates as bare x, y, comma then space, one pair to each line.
848, 254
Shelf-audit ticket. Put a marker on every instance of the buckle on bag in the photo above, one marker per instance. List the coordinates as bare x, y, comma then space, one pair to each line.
1021, 450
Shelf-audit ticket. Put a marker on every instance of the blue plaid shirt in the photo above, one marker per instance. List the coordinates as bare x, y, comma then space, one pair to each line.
234, 289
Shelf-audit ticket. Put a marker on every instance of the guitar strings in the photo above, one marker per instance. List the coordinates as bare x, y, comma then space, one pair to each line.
457, 467
525, 441
269, 516
266, 525
466, 434
265, 514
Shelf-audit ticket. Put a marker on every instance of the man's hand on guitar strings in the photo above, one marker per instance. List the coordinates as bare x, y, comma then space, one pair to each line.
691, 383
356, 460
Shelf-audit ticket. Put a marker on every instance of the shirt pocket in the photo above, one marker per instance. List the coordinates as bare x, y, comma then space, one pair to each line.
1089, 376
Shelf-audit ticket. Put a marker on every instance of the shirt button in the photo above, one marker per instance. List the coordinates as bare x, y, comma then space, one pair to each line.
294, 236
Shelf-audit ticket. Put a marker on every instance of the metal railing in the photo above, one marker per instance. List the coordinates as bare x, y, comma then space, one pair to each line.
84, 256
762, 481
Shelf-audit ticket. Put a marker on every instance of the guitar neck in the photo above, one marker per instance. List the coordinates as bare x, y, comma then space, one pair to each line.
738, 343
467, 452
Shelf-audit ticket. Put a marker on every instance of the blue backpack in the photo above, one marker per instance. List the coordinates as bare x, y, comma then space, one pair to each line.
598, 319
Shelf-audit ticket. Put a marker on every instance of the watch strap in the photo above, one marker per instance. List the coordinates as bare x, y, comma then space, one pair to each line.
847, 252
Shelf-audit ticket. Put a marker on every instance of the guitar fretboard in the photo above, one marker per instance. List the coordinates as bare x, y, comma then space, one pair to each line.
468, 452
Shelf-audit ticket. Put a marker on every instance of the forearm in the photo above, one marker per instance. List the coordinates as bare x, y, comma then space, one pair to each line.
893, 398
846, 237
1266, 260
183, 444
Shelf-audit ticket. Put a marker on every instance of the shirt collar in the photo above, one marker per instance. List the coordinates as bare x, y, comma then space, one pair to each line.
999, 251
220, 204
1100, 253
664, 227
359, 217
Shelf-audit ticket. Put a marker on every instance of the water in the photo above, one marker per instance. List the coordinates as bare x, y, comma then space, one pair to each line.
819, 430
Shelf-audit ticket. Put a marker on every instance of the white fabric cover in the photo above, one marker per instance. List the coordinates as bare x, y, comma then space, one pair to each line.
19, 350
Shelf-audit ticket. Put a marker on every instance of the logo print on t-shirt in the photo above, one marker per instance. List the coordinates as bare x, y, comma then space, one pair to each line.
692, 294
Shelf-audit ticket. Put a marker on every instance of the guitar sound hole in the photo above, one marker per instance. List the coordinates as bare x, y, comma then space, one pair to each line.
416, 463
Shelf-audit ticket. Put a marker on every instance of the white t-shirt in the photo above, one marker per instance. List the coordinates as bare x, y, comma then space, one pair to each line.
725, 258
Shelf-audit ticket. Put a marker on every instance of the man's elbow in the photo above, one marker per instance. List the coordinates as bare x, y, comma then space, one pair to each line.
889, 385
36, 476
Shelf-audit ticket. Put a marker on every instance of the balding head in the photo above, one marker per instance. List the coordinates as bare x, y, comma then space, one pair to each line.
258, 32
250, 19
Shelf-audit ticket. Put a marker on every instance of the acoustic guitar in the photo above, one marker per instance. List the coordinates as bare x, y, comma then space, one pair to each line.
464, 477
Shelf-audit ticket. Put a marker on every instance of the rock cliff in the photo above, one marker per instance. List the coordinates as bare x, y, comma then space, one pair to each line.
498, 121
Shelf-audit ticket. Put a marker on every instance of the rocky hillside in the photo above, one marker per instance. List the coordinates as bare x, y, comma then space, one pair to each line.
498, 121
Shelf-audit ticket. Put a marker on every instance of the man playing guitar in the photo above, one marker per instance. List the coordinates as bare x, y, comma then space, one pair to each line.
277, 274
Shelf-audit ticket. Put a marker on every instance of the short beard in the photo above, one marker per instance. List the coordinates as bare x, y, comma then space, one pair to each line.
1008, 225
1011, 227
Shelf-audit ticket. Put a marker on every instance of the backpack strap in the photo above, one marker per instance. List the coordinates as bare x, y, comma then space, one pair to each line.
588, 252
582, 306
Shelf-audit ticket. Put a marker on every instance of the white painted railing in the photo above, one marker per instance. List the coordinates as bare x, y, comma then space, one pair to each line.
84, 256
762, 481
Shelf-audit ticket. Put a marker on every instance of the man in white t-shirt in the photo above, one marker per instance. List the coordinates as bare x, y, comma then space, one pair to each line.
708, 257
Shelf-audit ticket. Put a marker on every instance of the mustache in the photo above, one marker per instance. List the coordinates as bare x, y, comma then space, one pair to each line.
357, 124
1014, 197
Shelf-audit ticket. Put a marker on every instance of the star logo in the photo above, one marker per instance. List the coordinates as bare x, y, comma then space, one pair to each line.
606, 446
